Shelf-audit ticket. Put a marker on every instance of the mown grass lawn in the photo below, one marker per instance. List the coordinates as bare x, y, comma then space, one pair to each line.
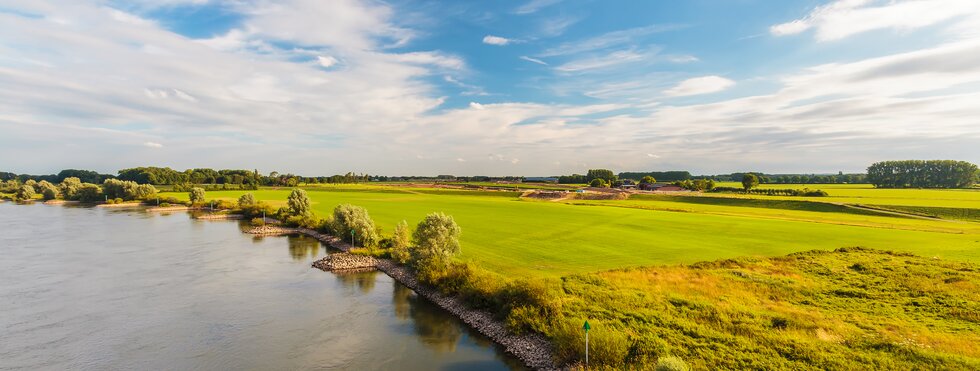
867, 194
539, 238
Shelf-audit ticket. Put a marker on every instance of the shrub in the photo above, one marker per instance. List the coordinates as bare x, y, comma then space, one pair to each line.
257, 222
257, 210
299, 202
145, 192
89, 192
69, 188
50, 193
671, 363
400, 241
25, 193
607, 346
246, 200
165, 204
436, 240
196, 195
597, 183
347, 218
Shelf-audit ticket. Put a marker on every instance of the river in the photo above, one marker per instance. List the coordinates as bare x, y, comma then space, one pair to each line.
114, 289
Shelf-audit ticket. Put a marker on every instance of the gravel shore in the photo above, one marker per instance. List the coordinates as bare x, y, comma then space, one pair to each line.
345, 262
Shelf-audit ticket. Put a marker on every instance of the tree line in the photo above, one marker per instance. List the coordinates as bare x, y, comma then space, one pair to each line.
923, 174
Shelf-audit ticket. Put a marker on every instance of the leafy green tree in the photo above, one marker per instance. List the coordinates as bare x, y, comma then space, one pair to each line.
31, 183
48, 191
246, 200
89, 192
648, 180
597, 183
605, 174
400, 243
347, 218
145, 192
70, 187
197, 195
25, 193
299, 202
749, 181
436, 240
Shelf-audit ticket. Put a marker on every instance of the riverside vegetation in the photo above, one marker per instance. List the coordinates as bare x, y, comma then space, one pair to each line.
700, 280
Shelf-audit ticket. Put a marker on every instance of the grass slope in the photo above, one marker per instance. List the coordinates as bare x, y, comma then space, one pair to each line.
852, 309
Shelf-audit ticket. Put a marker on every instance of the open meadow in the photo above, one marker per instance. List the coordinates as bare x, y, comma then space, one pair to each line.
523, 237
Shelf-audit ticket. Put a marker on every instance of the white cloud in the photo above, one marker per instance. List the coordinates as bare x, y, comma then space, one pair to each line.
650, 155
682, 58
844, 18
555, 26
460, 159
152, 145
607, 40
604, 61
534, 6
496, 40
326, 61
533, 60
700, 85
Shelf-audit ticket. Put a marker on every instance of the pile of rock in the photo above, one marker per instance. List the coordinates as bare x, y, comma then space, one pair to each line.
220, 216
534, 350
345, 262
271, 230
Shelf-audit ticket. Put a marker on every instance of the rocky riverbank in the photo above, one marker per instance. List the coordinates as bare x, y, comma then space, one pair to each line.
534, 350
345, 262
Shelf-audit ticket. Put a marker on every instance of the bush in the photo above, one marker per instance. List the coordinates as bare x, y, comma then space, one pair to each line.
89, 192
25, 193
436, 240
671, 363
70, 187
607, 346
165, 204
196, 195
347, 218
246, 200
400, 241
299, 202
257, 222
597, 183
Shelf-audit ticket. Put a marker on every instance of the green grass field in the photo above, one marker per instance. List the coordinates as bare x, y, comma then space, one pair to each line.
541, 238
867, 194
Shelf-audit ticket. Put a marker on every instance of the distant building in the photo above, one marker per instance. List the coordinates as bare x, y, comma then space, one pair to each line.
661, 187
540, 179
627, 184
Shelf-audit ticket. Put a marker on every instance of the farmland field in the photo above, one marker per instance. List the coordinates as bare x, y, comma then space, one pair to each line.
521, 237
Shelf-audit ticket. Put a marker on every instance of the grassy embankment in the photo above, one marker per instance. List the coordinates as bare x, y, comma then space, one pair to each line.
846, 310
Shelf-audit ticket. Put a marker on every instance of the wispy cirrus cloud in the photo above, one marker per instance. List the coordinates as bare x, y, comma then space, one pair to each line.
535, 5
844, 18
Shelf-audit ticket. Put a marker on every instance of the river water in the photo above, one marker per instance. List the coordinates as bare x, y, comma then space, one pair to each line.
112, 289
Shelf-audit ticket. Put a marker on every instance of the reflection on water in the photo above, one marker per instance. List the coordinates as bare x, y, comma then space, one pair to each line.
435, 329
363, 281
106, 288
302, 247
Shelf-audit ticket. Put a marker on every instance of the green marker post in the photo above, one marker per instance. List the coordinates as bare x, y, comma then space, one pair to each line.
586, 327
351, 238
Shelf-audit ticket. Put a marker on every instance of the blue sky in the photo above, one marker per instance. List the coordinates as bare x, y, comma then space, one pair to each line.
531, 87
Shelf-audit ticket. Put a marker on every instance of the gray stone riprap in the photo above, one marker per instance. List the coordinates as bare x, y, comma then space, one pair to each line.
345, 262
534, 350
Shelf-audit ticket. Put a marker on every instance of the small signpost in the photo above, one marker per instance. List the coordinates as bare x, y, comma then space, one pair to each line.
351, 238
586, 327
